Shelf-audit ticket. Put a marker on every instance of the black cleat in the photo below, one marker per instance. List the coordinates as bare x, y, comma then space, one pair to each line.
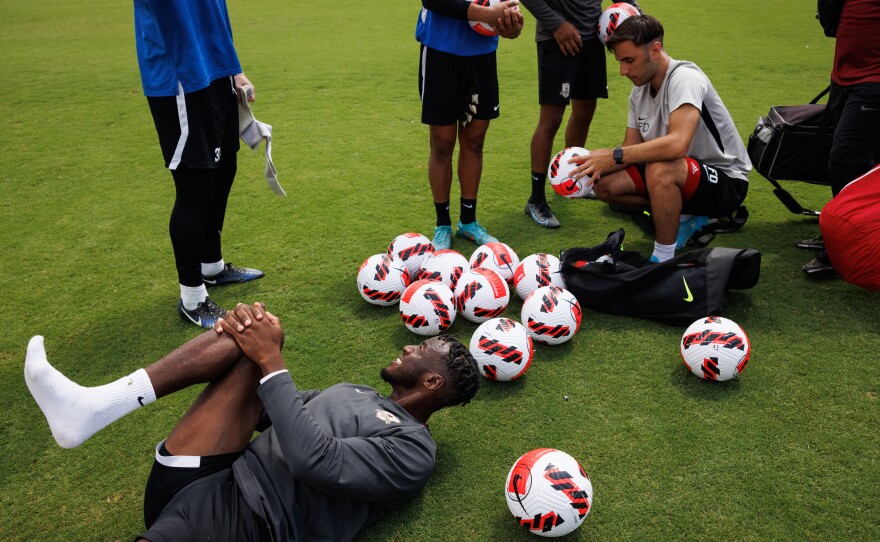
205, 314
232, 274
819, 267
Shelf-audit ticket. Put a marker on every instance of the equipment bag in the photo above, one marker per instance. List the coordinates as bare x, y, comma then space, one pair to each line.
850, 225
793, 143
677, 292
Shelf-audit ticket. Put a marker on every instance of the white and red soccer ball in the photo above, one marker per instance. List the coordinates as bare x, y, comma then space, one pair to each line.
427, 307
552, 315
548, 492
444, 265
381, 279
481, 294
715, 348
498, 257
535, 271
412, 249
503, 349
560, 172
612, 17
480, 27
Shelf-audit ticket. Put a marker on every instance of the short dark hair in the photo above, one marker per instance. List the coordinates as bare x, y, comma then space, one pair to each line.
461, 371
641, 29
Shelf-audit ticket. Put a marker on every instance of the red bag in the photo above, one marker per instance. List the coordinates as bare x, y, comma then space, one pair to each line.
850, 225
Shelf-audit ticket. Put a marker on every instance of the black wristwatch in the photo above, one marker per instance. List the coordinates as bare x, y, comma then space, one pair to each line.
618, 155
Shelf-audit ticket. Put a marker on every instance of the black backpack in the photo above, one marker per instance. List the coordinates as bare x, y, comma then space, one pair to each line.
690, 286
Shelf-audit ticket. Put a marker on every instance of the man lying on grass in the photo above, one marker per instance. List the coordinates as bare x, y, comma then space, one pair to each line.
327, 463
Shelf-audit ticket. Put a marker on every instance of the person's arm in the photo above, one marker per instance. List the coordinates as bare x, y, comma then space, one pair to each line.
379, 468
542, 11
468, 11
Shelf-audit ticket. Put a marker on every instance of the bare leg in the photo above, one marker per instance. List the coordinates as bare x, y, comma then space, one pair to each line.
578, 127
470, 157
549, 120
440, 161
664, 181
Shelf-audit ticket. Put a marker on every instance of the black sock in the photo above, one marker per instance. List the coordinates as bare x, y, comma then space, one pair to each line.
468, 211
538, 182
442, 210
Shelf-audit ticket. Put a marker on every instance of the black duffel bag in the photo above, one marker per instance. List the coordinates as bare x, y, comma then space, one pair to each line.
690, 286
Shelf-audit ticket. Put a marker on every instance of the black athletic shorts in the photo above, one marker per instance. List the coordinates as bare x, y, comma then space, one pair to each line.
197, 128
196, 498
453, 87
708, 191
580, 77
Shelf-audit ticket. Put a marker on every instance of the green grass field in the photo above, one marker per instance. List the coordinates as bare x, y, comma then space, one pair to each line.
788, 451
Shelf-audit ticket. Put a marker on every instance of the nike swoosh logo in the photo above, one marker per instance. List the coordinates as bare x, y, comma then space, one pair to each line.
209, 281
868, 108
141, 400
690, 296
497, 106
197, 322
468, 206
643, 118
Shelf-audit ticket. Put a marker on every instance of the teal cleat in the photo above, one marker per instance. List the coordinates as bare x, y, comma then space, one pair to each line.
474, 232
688, 227
442, 238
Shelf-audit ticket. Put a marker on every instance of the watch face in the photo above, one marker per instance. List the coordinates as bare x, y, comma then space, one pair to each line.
618, 155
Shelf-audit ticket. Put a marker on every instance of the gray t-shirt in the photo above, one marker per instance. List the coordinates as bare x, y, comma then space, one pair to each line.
716, 141
333, 461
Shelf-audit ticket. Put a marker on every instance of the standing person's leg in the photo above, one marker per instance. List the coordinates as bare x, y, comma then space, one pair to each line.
471, 138
578, 128
856, 136
75, 413
442, 141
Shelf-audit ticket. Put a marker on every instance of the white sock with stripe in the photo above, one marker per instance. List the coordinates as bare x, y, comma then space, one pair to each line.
74, 412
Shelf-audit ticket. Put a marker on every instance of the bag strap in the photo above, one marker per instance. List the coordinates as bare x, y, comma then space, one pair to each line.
823, 93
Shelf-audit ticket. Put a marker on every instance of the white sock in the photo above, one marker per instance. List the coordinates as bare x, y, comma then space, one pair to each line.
663, 252
74, 412
211, 269
193, 295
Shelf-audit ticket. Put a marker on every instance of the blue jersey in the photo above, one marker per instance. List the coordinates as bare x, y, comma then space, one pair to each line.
183, 41
453, 36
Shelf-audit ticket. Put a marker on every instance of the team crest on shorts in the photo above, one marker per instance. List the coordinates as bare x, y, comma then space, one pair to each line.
387, 417
566, 89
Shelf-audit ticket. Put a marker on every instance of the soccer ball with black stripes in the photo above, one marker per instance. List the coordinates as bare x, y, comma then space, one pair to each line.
498, 257
551, 314
427, 307
445, 265
611, 19
381, 279
412, 248
560, 176
481, 294
548, 492
537, 270
502, 348
715, 348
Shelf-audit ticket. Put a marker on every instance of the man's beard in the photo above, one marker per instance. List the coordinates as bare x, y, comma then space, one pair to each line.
406, 379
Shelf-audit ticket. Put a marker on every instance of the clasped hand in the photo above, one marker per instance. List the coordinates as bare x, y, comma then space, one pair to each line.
257, 332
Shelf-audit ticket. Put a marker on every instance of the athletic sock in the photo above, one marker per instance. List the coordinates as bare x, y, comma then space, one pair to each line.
442, 210
663, 252
74, 412
193, 295
468, 211
211, 269
538, 182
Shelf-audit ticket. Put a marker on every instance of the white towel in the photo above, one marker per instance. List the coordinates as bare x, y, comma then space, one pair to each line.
252, 132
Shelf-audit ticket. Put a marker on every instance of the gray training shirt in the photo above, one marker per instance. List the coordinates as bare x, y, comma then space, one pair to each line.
333, 461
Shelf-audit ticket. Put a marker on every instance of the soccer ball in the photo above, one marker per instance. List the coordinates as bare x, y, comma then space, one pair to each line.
381, 279
445, 266
548, 492
560, 174
498, 257
551, 314
481, 294
715, 348
612, 17
537, 270
480, 27
427, 307
412, 248
502, 348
